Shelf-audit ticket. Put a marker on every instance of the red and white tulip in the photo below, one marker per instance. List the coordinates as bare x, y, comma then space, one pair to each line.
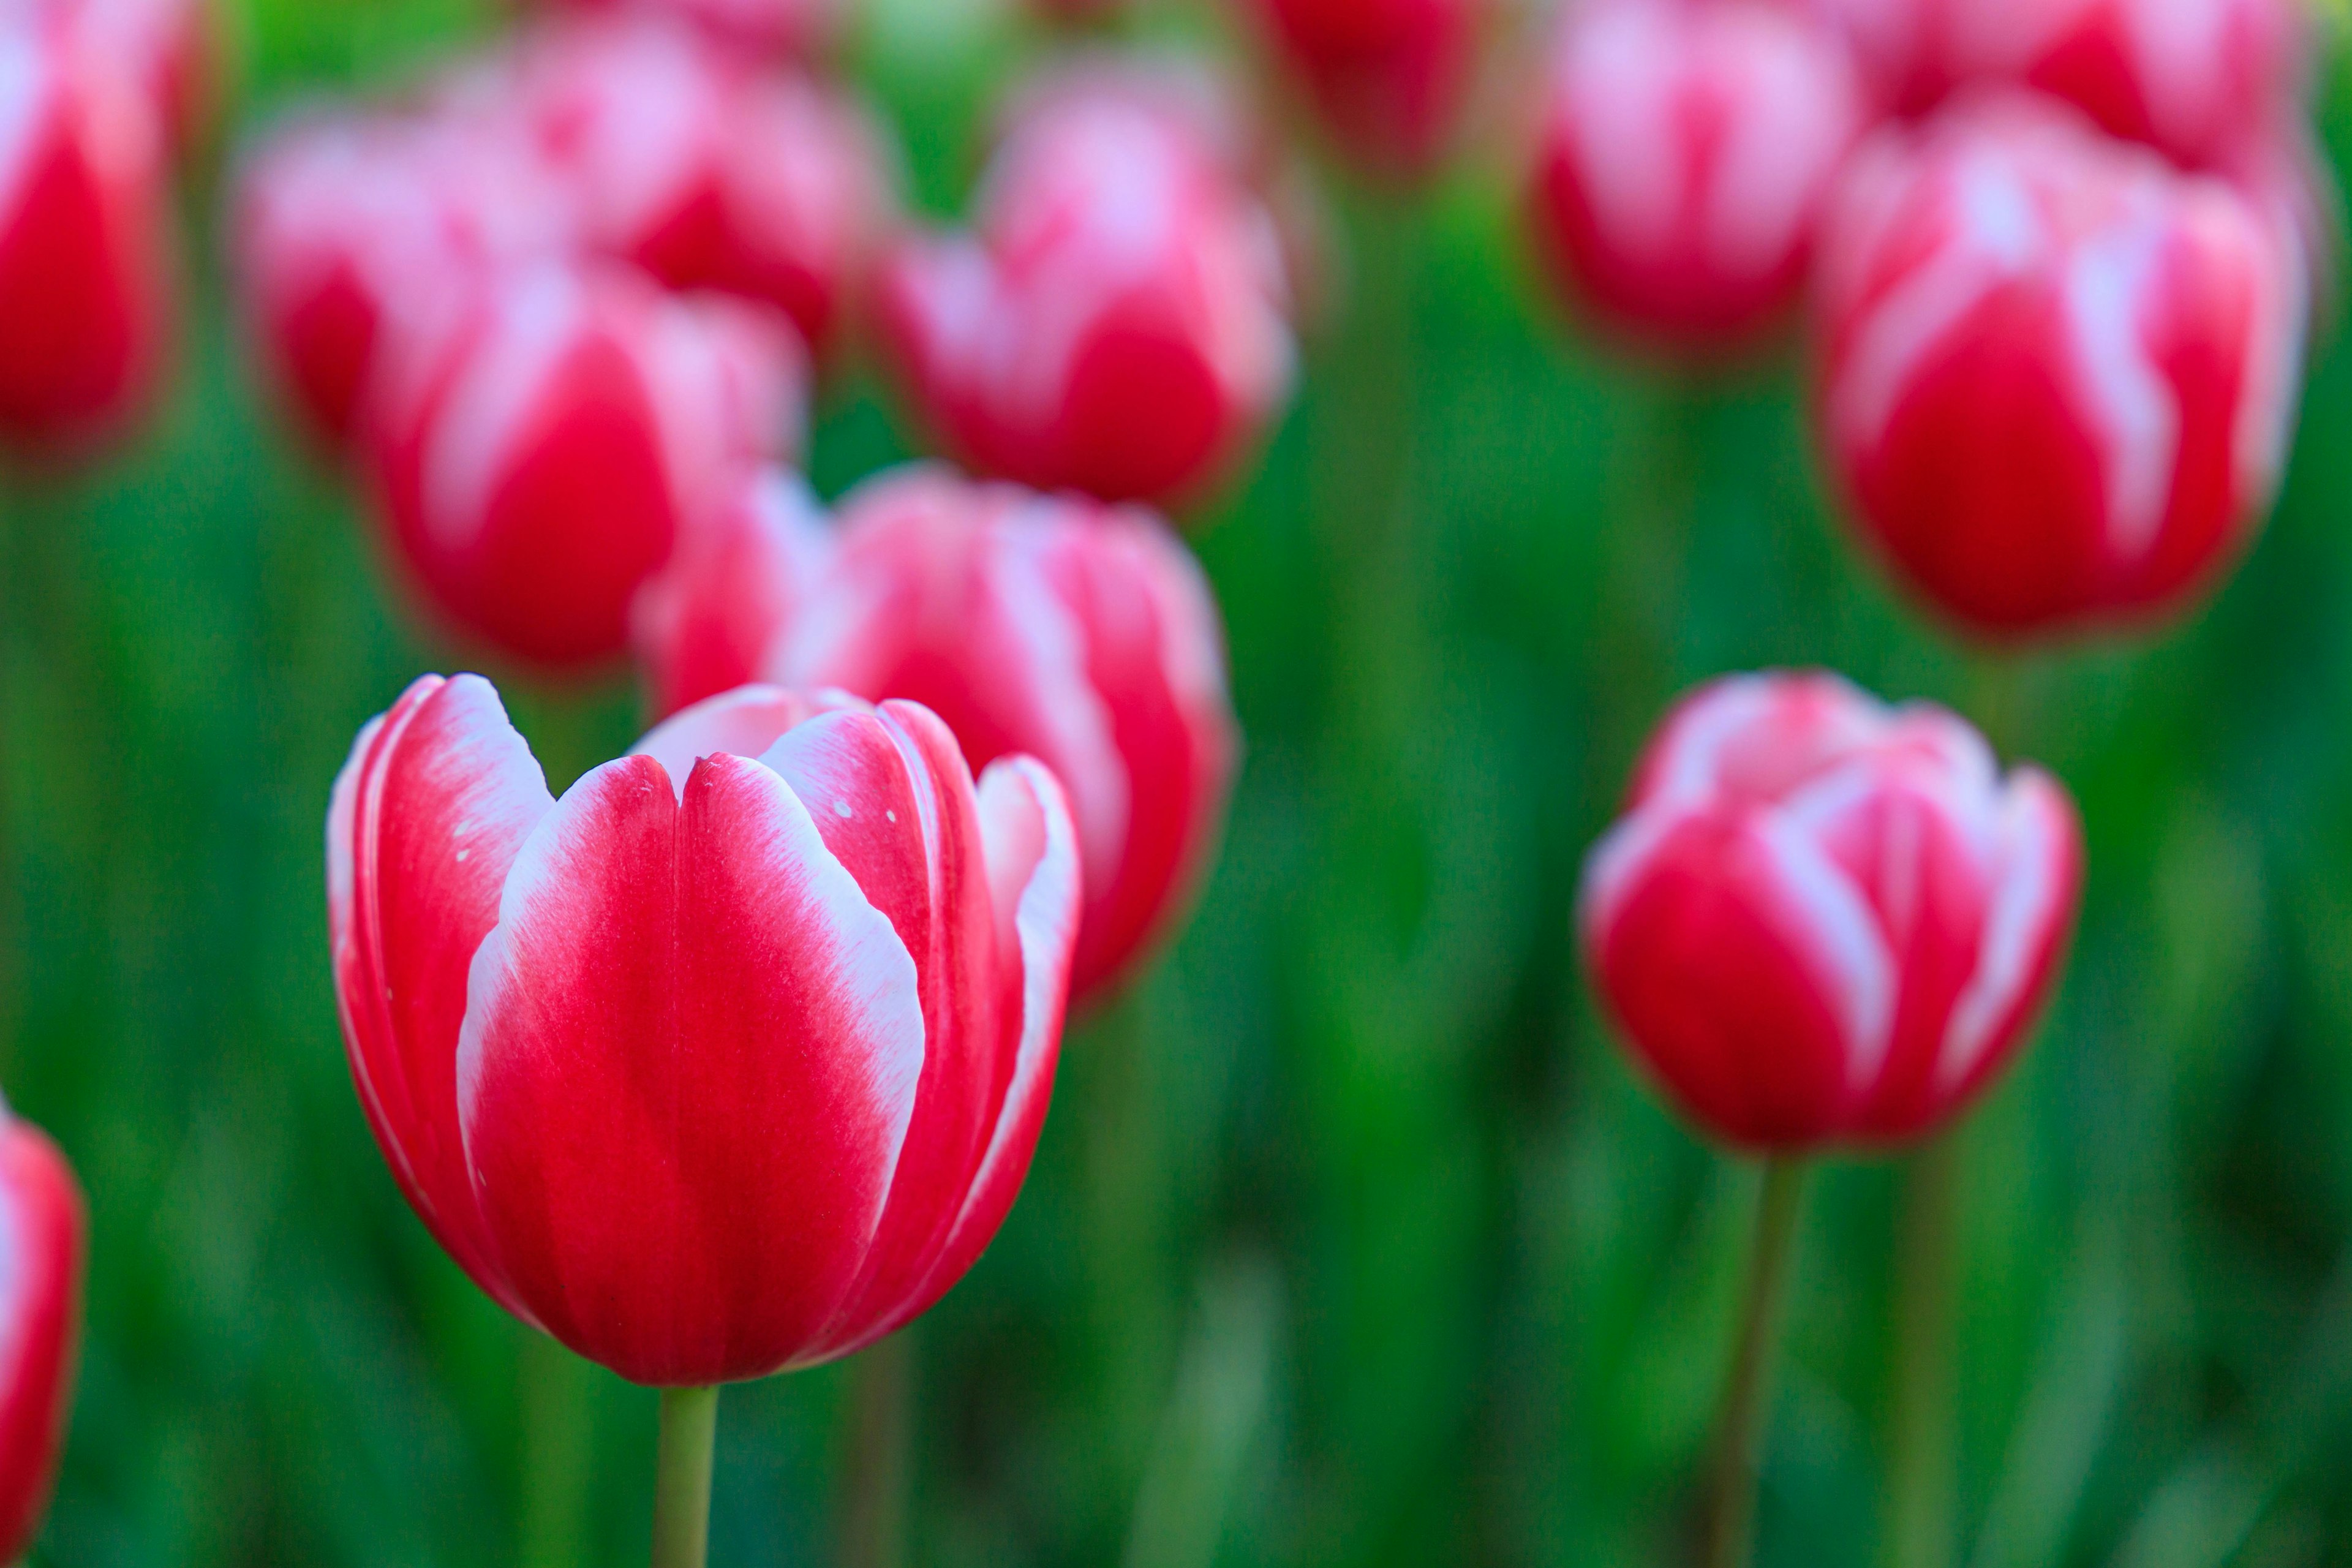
43, 1246
1389, 79
1084, 637
733, 1059
2059, 376
1687, 150
1118, 322
1825, 922
540, 460
794, 27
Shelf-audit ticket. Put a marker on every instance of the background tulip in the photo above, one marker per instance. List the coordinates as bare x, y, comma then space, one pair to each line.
1084, 637
761, 26
1387, 78
848, 962
2058, 376
43, 1223
1823, 920
1687, 147
1117, 322
84, 292
538, 462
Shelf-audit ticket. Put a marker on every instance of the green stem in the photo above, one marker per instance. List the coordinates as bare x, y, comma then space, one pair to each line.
1748, 1400
881, 1417
1922, 1444
689, 1432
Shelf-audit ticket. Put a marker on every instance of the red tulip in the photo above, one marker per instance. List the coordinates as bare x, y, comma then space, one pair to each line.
730, 1060
43, 1226
1390, 78
2059, 376
708, 173
1687, 148
798, 27
1117, 322
84, 291
1086, 638
538, 462
348, 231
1827, 921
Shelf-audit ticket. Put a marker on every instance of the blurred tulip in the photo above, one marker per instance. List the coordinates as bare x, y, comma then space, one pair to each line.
347, 228
706, 173
85, 307
168, 49
42, 1237
798, 27
1116, 323
1827, 921
1084, 637
1389, 77
733, 1059
1687, 148
538, 462
2059, 376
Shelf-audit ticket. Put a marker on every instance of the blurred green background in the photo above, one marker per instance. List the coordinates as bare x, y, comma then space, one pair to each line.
1351, 1241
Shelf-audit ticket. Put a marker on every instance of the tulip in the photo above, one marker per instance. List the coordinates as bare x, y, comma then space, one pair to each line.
1389, 77
1687, 148
1084, 637
42, 1217
169, 47
1118, 322
537, 463
85, 302
794, 27
1823, 920
2058, 376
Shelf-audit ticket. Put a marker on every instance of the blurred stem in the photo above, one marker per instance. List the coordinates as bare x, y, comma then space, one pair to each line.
1748, 1400
1923, 1443
875, 1475
556, 1449
689, 1434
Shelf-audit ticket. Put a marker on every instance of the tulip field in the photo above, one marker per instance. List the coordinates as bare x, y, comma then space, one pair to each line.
1435, 781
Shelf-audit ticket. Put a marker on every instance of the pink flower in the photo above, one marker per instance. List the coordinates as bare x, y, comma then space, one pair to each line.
170, 50
730, 1060
2058, 376
537, 462
797, 27
1116, 323
85, 296
1687, 148
1823, 920
1389, 77
42, 1232
1084, 637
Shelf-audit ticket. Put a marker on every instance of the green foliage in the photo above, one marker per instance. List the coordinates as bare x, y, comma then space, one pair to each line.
1352, 1240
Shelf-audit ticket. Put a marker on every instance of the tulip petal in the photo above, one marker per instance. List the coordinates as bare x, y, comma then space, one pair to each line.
2033, 902
743, 722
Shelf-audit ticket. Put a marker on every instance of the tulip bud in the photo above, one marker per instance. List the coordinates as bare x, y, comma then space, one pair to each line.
1823, 920
44, 1227
1389, 77
84, 294
1687, 147
1084, 637
1116, 323
2059, 376
537, 462
733, 1059
795, 27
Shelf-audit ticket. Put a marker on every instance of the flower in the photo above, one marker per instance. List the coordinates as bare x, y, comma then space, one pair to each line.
1117, 322
2058, 376
1823, 920
1389, 77
1083, 635
1687, 147
538, 461
731, 1060
43, 1231
798, 27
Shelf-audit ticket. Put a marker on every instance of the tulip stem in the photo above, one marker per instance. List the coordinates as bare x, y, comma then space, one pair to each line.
1919, 1523
689, 1433
1747, 1400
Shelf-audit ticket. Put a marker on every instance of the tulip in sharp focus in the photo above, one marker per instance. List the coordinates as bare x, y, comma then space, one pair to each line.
538, 464
731, 1060
1823, 920
1084, 637
1389, 77
2059, 376
1687, 148
1116, 323
42, 1240
85, 303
